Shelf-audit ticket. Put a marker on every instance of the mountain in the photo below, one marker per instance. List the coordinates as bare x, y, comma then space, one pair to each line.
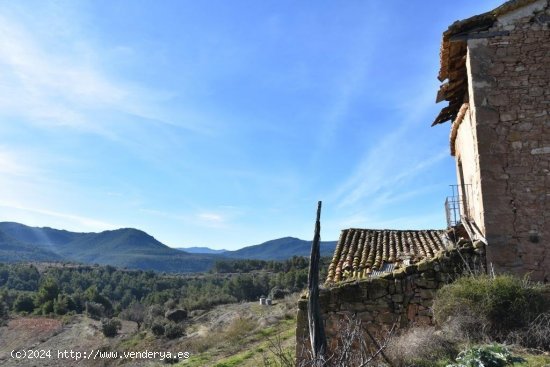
12, 250
280, 249
132, 248
126, 247
201, 250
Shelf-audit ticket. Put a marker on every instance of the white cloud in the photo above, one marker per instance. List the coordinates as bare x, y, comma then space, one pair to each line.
46, 87
64, 84
12, 164
211, 217
393, 161
42, 216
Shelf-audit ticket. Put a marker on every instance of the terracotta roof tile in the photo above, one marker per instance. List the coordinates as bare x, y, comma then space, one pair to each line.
361, 252
452, 55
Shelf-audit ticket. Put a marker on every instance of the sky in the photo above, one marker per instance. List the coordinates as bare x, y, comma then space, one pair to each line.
222, 123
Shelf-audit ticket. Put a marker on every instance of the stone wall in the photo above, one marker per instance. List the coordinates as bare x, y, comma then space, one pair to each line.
403, 297
467, 165
509, 97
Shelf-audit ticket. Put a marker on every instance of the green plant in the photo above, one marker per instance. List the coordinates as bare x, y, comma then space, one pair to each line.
173, 331
157, 329
94, 310
110, 327
24, 303
239, 328
494, 355
503, 304
4, 313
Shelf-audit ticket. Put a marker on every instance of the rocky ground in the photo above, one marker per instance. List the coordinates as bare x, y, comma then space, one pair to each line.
229, 335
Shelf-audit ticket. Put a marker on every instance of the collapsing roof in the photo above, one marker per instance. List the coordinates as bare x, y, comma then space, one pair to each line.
452, 72
368, 252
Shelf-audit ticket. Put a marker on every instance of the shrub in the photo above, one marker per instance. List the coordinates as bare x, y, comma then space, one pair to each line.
24, 303
153, 313
158, 329
110, 327
421, 347
94, 310
536, 335
4, 313
61, 304
493, 355
239, 328
47, 308
173, 331
504, 303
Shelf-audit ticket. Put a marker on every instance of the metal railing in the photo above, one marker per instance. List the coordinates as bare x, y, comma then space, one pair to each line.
456, 205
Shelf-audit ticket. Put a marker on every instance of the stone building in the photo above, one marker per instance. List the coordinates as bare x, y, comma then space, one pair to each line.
495, 69
388, 278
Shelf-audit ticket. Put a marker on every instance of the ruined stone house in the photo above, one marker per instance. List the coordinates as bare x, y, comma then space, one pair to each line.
495, 70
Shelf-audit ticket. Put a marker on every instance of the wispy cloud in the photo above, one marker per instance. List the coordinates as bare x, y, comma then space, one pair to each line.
389, 164
49, 88
69, 219
211, 218
67, 86
11, 164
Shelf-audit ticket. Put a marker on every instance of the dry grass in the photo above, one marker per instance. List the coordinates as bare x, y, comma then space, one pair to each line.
417, 345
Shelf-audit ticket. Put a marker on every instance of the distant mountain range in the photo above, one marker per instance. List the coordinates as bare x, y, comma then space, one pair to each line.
280, 249
132, 248
200, 250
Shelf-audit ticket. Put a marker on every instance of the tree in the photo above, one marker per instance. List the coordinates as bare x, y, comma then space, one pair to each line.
48, 291
23, 303
61, 304
135, 312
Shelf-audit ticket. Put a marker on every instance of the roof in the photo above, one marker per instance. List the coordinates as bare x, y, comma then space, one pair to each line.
368, 252
452, 72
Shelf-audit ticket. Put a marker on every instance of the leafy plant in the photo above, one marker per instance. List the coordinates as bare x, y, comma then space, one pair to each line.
503, 304
173, 331
157, 329
110, 327
494, 355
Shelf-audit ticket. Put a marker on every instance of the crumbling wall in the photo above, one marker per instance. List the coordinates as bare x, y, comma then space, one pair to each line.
509, 96
404, 297
467, 166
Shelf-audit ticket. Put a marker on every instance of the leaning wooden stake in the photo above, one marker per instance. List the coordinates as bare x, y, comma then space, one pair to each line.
316, 328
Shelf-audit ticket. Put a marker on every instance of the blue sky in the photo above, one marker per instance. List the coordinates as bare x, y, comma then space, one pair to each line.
221, 123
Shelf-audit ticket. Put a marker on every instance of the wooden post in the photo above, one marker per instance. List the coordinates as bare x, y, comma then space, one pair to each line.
316, 328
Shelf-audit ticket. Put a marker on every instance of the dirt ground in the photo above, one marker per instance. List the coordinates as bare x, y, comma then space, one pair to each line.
42, 335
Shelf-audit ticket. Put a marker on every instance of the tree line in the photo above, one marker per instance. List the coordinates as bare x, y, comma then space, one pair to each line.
108, 291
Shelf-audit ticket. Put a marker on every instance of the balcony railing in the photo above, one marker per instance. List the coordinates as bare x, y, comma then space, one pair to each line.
456, 205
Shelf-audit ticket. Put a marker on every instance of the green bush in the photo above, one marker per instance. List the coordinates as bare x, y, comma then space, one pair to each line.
173, 331
110, 327
4, 313
504, 303
157, 329
24, 303
94, 310
493, 355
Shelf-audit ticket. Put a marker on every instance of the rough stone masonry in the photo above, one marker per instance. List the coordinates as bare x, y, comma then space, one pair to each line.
501, 135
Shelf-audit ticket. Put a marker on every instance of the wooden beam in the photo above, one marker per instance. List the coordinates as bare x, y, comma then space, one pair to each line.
470, 36
317, 335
